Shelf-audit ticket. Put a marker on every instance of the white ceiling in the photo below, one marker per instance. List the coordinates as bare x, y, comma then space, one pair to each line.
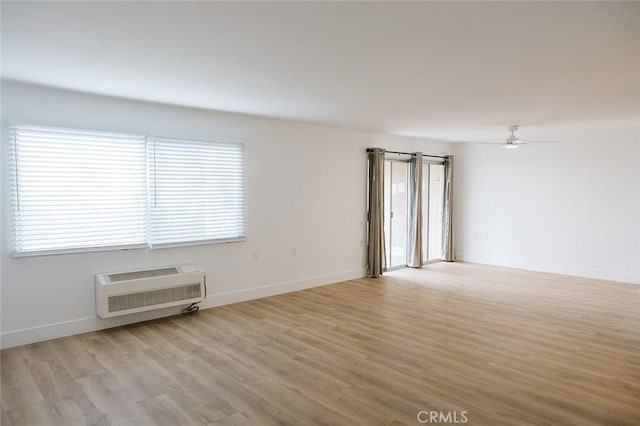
453, 71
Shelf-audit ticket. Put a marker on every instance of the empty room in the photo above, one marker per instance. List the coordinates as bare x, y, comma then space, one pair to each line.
320, 213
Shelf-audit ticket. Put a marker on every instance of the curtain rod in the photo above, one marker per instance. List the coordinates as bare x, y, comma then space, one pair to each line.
408, 153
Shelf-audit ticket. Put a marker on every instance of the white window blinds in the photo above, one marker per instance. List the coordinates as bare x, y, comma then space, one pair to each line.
75, 189
197, 191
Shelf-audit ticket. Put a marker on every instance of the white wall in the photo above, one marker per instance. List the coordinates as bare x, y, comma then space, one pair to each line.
305, 189
571, 208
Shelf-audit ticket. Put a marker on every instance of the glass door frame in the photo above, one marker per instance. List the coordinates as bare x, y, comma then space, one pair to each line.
425, 204
425, 207
389, 201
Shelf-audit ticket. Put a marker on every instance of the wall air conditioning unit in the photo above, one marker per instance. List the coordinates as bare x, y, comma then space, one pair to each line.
128, 292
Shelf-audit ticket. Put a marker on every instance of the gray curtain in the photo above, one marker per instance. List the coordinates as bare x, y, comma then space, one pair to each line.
448, 246
376, 262
414, 259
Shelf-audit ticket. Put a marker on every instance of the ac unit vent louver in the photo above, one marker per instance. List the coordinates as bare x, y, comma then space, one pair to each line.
120, 293
153, 297
125, 276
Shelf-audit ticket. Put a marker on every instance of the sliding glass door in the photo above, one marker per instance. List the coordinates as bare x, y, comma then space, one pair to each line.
432, 210
396, 177
396, 211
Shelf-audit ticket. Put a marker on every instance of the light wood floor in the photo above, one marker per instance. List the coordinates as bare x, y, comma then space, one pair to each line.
505, 346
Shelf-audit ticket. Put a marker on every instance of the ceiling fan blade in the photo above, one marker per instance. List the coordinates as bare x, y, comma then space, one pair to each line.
528, 141
488, 143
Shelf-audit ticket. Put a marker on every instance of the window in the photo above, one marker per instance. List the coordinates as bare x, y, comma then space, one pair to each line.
84, 190
197, 191
76, 189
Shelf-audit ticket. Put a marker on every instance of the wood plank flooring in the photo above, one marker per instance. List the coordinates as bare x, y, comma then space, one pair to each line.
503, 346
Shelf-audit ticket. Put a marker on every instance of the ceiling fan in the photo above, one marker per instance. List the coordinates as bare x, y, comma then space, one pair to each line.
514, 141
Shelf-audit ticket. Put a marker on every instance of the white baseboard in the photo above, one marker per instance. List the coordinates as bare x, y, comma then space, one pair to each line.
83, 325
601, 274
231, 297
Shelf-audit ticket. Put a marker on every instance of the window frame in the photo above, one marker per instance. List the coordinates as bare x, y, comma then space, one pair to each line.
151, 139
14, 191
